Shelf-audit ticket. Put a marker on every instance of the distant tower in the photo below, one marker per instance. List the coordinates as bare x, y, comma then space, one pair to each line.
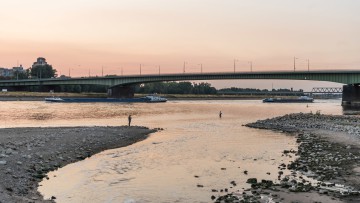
40, 61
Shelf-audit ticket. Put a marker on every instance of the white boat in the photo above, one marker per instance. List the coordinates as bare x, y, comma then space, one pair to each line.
154, 98
54, 99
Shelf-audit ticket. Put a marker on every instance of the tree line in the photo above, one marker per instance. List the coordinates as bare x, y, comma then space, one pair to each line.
176, 88
244, 90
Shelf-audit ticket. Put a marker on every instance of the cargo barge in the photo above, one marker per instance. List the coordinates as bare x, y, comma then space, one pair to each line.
302, 99
148, 99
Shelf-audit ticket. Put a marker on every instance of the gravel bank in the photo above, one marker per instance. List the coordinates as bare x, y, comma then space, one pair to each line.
28, 154
326, 167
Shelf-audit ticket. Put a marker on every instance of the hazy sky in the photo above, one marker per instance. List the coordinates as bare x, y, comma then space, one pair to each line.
83, 35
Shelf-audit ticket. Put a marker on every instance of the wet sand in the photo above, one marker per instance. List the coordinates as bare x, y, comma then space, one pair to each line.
28, 154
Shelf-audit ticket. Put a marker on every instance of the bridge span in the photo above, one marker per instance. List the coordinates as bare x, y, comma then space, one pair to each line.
121, 86
344, 77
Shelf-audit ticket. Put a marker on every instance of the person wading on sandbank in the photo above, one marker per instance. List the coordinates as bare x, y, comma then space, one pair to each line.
220, 114
129, 119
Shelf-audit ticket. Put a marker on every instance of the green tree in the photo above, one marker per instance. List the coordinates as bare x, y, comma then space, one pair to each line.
43, 71
176, 88
21, 75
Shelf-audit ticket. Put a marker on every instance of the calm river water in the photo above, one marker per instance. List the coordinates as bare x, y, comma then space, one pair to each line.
196, 148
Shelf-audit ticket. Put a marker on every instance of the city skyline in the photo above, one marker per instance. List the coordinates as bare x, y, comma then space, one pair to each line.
117, 36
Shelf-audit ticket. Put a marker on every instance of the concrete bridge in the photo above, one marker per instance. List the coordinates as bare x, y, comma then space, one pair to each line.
122, 86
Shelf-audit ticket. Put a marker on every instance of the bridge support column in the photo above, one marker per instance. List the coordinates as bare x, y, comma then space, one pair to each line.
351, 96
121, 92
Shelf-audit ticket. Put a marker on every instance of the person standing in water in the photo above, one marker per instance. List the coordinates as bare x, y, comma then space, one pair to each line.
220, 114
129, 119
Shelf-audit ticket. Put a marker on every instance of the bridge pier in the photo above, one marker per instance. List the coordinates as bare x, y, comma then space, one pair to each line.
121, 92
351, 96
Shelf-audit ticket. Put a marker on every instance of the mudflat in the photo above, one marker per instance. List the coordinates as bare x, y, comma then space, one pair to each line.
28, 154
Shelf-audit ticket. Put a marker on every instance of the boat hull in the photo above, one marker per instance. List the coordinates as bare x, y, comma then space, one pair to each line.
89, 100
288, 100
147, 99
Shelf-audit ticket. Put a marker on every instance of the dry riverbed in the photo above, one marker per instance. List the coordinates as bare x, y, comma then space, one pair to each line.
326, 167
28, 154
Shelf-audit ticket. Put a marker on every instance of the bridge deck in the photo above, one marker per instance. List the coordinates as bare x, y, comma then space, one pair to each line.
338, 76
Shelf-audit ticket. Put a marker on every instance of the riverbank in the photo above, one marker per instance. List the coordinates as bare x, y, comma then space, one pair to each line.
327, 164
40, 96
28, 154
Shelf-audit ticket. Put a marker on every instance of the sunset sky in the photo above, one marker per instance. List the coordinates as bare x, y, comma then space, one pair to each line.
83, 35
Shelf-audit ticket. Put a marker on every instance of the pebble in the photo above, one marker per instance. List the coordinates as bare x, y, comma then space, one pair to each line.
9, 151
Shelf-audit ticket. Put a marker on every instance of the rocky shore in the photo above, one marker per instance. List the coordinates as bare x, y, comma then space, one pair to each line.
326, 167
28, 154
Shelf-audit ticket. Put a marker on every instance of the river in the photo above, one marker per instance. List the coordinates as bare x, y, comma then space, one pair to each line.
197, 151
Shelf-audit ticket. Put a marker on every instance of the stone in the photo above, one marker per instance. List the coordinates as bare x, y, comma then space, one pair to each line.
3, 162
9, 151
251, 180
323, 191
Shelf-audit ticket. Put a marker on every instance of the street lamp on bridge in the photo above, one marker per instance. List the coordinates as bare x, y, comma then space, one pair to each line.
307, 60
308, 64
201, 70
235, 60
250, 62
294, 62
184, 66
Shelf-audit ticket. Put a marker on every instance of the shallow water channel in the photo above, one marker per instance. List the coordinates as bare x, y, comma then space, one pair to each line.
194, 154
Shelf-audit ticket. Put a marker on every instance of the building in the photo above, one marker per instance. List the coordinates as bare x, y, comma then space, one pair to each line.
6, 72
40, 61
11, 72
18, 69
